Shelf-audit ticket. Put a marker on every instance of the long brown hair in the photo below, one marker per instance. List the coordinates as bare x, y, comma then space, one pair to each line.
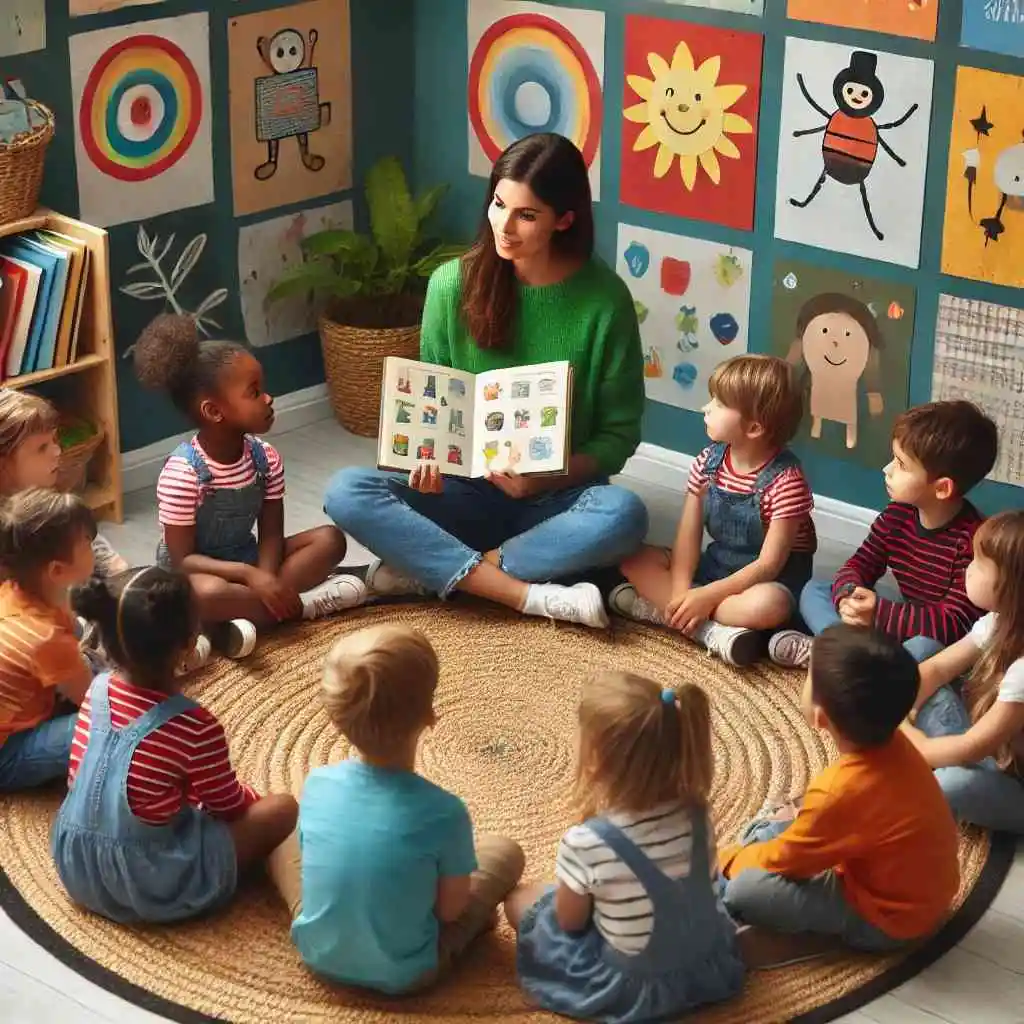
555, 171
1000, 540
641, 745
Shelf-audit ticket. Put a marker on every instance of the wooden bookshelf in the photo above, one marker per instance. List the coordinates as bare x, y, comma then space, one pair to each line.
91, 380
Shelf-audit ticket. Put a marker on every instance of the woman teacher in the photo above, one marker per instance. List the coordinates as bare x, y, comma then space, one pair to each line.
528, 291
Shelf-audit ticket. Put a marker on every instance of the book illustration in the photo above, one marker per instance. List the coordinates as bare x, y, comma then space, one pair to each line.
454, 455
522, 418
494, 421
549, 416
492, 392
541, 449
509, 457
400, 445
456, 388
490, 451
404, 381
455, 423
430, 386
403, 411
425, 450
430, 415
547, 385
444, 402
520, 389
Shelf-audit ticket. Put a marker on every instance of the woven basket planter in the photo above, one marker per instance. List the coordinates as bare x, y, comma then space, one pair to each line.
354, 366
72, 468
21, 169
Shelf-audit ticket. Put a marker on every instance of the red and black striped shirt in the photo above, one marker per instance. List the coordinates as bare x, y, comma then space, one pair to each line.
929, 567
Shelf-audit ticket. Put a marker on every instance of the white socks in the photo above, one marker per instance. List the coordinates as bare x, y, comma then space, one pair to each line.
581, 603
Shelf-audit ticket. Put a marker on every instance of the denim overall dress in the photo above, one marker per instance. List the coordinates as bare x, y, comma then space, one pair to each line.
226, 516
733, 522
119, 866
691, 957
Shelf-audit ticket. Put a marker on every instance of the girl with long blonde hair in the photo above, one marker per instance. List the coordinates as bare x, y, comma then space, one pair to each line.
633, 929
976, 743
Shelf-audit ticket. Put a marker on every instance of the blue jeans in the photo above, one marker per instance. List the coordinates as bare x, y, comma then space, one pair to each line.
816, 905
981, 793
818, 612
438, 538
35, 756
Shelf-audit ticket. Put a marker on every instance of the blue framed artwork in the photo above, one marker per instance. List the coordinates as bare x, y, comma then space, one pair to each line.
994, 25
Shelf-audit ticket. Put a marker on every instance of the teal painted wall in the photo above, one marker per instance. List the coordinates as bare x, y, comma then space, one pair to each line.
382, 50
441, 154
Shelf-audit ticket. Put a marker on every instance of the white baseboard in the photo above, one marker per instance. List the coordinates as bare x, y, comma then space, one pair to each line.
140, 468
837, 522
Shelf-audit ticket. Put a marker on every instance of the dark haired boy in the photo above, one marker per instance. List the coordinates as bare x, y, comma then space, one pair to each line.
870, 857
924, 536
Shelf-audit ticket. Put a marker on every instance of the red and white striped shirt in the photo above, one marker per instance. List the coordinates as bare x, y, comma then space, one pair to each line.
787, 497
186, 759
179, 494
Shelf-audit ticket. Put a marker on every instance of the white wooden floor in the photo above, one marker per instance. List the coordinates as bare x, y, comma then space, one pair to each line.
979, 982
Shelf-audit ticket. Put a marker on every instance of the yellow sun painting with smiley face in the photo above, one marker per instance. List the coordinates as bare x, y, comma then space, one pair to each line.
686, 114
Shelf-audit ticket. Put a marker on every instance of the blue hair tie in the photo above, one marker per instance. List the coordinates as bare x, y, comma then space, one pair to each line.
668, 696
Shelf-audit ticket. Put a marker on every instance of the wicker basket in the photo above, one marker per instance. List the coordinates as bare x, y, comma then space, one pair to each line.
21, 168
354, 365
74, 461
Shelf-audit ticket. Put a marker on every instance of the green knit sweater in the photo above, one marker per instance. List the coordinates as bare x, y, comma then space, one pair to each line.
589, 320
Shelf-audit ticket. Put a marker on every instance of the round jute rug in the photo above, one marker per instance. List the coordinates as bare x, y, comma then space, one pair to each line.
504, 742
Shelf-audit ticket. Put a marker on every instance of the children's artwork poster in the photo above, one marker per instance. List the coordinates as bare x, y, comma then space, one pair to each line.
692, 299
266, 251
689, 138
141, 96
995, 25
735, 6
983, 231
917, 19
849, 337
534, 68
290, 104
979, 356
853, 147
78, 8
22, 27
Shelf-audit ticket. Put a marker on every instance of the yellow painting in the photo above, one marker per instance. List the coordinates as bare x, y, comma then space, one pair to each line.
983, 236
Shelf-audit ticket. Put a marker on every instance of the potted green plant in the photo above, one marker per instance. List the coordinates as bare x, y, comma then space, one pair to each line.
373, 284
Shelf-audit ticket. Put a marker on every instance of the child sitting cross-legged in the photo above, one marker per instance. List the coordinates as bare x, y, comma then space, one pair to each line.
939, 452
977, 749
45, 550
156, 826
747, 490
217, 487
870, 855
634, 929
385, 888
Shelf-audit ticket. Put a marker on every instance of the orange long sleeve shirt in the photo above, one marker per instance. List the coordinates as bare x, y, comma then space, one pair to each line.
878, 818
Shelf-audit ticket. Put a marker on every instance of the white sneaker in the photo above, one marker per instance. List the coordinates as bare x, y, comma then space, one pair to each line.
199, 658
235, 639
383, 581
790, 649
733, 644
625, 601
334, 595
581, 603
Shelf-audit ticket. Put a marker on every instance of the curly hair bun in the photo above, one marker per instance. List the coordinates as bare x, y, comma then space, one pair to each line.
166, 352
94, 601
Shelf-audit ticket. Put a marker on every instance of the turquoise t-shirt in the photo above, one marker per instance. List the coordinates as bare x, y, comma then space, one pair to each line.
374, 844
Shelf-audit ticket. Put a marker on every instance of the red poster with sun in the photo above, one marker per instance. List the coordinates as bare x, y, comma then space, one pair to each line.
690, 102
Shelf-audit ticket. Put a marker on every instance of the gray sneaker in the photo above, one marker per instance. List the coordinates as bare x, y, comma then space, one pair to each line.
625, 601
790, 649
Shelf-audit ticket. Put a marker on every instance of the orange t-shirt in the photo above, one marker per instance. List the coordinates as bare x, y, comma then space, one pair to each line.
878, 818
38, 651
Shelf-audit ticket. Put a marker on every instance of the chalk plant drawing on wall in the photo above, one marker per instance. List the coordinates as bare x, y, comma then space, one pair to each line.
163, 286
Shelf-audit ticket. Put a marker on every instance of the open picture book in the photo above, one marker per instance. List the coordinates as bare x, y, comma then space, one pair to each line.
504, 421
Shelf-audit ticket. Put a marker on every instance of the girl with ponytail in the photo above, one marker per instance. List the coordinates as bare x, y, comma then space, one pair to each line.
156, 826
633, 929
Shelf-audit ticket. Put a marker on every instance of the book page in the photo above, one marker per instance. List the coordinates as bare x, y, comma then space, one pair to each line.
426, 416
522, 420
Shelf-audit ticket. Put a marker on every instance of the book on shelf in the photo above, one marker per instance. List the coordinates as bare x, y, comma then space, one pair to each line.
44, 274
514, 420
